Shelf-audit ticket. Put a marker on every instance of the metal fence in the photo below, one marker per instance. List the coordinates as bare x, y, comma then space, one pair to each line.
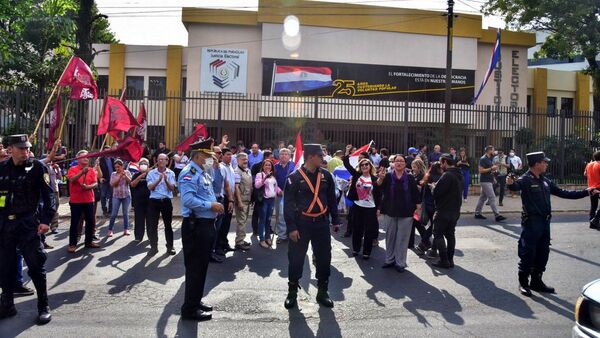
568, 137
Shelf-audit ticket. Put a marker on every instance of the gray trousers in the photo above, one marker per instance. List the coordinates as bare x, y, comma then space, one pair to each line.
487, 193
280, 227
396, 239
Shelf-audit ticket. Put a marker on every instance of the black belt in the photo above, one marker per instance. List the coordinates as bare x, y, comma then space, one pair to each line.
190, 218
14, 217
314, 219
160, 199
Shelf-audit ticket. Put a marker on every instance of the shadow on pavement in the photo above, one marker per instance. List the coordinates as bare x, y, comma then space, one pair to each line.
12, 327
486, 292
328, 325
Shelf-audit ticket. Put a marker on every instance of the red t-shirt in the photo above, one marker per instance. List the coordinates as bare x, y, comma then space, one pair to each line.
78, 195
592, 171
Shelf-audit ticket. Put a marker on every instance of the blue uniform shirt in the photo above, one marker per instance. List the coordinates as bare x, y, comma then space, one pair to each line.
160, 191
196, 189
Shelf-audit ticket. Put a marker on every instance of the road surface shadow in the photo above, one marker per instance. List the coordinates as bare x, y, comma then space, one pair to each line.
328, 325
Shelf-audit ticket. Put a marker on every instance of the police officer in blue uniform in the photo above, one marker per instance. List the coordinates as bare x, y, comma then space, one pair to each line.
23, 182
309, 201
199, 208
534, 244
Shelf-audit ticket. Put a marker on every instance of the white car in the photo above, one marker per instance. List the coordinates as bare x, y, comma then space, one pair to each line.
587, 312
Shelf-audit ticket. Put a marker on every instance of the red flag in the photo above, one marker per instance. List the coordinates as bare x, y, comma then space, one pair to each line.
140, 132
129, 149
299, 153
54, 123
79, 77
116, 118
354, 155
199, 132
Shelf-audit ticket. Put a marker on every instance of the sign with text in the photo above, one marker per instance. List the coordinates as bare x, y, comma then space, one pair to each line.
377, 82
223, 70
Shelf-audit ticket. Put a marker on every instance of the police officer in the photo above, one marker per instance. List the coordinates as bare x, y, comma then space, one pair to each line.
309, 200
199, 208
534, 244
23, 181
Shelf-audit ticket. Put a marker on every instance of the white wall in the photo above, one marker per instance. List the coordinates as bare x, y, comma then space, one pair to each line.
370, 47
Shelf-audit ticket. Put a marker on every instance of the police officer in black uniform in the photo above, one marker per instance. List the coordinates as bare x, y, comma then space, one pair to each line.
23, 181
534, 244
309, 201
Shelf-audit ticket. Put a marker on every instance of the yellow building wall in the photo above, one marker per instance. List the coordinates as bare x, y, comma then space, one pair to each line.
173, 102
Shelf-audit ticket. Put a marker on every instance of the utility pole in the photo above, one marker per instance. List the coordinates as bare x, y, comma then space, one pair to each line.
448, 73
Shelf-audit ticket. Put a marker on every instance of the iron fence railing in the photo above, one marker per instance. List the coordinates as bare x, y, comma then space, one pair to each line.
568, 137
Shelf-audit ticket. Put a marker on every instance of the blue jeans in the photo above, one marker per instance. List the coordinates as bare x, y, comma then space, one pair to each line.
264, 221
280, 228
467, 177
116, 202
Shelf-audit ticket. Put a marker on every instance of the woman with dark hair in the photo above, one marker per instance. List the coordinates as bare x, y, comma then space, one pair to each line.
365, 195
267, 187
427, 184
119, 181
465, 168
401, 198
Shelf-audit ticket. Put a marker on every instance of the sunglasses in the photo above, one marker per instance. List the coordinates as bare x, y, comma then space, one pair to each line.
365, 165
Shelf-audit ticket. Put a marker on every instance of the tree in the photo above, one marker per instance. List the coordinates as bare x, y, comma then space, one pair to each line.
574, 27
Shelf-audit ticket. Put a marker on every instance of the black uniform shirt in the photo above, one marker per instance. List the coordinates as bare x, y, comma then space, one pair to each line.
298, 197
21, 188
535, 194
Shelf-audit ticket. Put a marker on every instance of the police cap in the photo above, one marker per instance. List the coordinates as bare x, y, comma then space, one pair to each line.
448, 158
533, 158
312, 149
203, 146
19, 141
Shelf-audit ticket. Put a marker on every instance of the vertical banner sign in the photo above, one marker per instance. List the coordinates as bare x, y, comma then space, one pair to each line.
223, 70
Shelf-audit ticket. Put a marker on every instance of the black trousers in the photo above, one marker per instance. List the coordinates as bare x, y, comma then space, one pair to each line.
140, 210
534, 246
365, 228
422, 232
319, 235
21, 234
502, 185
197, 236
223, 230
79, 210
256, 216
594, 213
157, 208
444, 238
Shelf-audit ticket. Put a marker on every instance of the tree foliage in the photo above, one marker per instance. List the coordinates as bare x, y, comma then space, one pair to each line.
37, 38
574, 27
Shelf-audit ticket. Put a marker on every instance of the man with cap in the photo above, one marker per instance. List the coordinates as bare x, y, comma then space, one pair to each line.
534, 244
23, 181
199, 208
412, 154
309, 201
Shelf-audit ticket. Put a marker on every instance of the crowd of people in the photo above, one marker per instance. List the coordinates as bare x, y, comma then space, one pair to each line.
402, 194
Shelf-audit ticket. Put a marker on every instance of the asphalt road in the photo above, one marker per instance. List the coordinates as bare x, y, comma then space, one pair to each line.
119, 292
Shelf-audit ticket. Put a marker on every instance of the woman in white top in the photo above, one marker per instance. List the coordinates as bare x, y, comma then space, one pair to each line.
266, 181
180, 160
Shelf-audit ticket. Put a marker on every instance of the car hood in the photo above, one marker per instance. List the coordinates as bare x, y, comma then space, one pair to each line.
592, 290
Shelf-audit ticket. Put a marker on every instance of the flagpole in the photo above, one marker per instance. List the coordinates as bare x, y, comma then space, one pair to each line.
64, 118
273, 77
32, 136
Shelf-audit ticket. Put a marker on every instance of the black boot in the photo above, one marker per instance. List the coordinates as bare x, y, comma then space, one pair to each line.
594, 223
524, 284
290, 300
323, 296
538, 285
443, 263
7, 306
44, 316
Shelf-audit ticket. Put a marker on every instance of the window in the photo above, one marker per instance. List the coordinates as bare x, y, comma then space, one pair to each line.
566, 106
102, 83
135, 87
157, 87
528, 104
551, 106
183, 88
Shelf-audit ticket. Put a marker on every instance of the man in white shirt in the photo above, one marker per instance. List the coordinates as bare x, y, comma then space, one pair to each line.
516, 166
228, 174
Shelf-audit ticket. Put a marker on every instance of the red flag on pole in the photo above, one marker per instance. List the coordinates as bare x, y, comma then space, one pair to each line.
140, 132
129, 149
55, 116
299, 153
354, 155
116, 118
79, 77
199, 132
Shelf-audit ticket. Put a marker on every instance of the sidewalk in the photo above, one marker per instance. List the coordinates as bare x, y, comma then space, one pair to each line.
511, 206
